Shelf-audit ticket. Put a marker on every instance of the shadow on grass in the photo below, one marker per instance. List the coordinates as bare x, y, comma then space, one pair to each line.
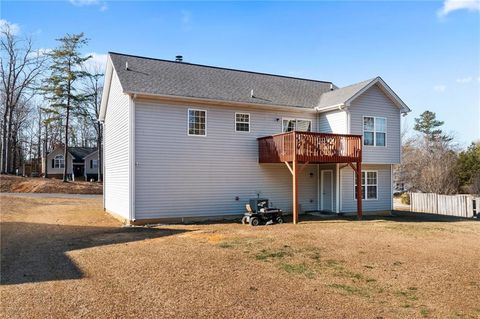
395, 216
32, 252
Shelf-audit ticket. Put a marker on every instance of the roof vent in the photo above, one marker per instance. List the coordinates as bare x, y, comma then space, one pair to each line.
331, 87
178, 58
126, 66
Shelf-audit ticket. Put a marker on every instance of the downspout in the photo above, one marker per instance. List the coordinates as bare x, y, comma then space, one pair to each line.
132, 162
103, 163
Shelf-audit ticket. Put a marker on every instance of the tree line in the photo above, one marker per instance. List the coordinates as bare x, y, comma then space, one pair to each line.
48, 98
51, 98
432, 162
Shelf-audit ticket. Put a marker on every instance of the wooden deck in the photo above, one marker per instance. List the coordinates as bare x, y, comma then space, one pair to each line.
294, 148
310, 147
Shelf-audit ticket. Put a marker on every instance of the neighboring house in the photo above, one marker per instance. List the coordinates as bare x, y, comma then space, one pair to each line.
82, 162
183, 140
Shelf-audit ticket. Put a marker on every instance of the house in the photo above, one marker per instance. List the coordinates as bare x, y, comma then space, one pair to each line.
82, 163
184, 140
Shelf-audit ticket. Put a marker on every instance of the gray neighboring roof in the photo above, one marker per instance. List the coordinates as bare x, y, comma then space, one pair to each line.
163, 77
341, 95
79, 153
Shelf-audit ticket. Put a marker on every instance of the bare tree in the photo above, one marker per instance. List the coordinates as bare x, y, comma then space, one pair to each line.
20, 68
429, 166
93, 89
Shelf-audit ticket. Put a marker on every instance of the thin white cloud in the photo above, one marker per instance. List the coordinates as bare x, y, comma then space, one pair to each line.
14, 28
454, 5
82, 3
440, 88
465, 80
186, 20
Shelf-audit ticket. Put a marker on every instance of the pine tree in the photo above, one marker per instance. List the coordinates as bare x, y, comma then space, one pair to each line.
63, 85
428, 124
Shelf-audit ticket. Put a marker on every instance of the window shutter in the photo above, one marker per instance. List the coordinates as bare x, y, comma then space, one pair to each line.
53, 163
91, 163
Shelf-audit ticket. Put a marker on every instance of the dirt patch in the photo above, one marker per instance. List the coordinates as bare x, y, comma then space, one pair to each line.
16, 184
67, 258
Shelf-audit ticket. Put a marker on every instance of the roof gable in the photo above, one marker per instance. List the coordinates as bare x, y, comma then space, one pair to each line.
346, 95
77, 153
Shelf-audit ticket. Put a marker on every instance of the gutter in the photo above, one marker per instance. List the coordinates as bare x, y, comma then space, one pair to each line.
331, 108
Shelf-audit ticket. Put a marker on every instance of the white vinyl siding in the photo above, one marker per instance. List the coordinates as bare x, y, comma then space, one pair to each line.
116, 155
374, 103
180, 176
334, 122
91, 169
383, 202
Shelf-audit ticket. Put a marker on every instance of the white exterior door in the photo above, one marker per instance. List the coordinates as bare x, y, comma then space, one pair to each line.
326, 190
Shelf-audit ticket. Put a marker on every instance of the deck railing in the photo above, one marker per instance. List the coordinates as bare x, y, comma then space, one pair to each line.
310, 147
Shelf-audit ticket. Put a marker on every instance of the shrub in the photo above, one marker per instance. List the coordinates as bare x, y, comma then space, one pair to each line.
405, 198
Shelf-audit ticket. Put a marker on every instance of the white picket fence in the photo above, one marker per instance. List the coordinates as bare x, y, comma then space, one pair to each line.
451, 205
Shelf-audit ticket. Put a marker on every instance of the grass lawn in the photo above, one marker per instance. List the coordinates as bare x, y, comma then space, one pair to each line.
66, 258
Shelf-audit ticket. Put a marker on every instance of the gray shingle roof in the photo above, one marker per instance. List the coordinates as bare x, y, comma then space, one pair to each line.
79, 153
162, 77
341, 95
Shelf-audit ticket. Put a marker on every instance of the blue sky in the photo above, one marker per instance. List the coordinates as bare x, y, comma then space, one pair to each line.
427, 51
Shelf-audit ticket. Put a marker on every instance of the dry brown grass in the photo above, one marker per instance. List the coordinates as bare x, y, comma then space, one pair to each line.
17, 184
66, 258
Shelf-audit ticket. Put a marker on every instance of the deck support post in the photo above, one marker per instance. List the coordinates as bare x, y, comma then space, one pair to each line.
295, 179
295, 191
358, 171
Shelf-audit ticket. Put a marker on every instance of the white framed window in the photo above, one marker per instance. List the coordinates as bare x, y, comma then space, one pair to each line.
369, 185
301, 125
374, 131
93, 163
242, 122
197, 122
59, 161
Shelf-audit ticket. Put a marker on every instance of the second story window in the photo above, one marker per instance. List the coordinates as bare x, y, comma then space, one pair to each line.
289, 125
197, 122
59, 162
242, 122
374, 131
